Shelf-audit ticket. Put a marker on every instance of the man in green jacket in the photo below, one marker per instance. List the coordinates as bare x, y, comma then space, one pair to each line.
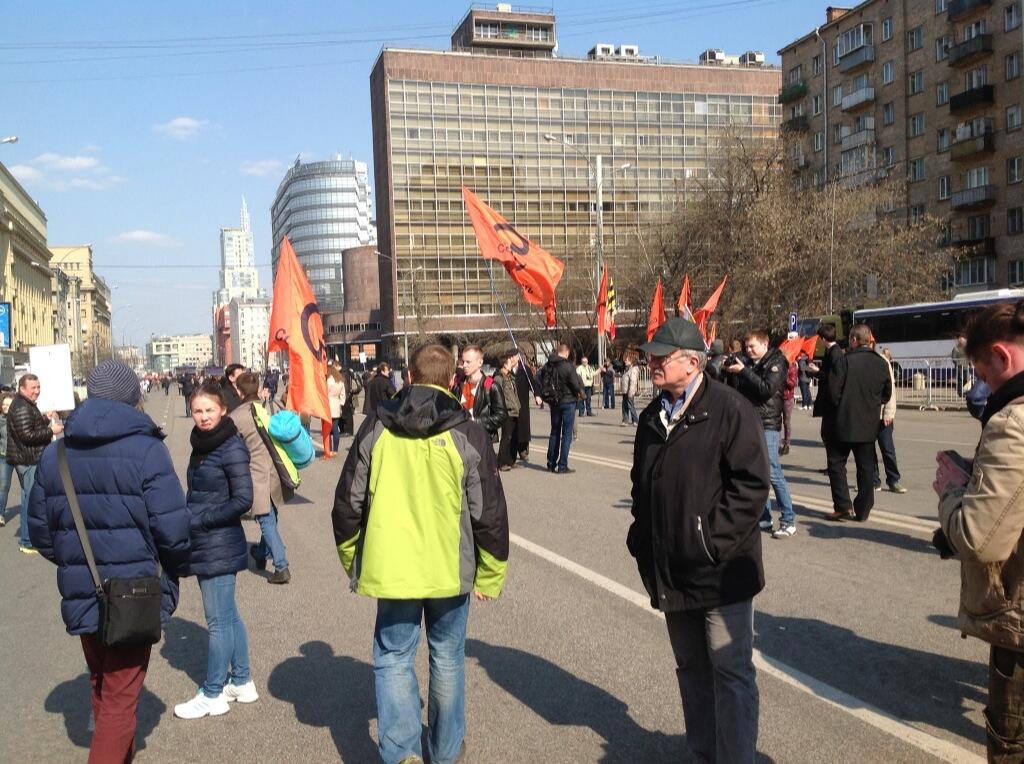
420, 522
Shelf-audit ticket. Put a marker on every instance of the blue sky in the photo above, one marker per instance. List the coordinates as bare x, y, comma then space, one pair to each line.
141, 125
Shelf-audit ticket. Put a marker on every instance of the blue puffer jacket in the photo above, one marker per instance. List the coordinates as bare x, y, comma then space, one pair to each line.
131, 501
219, 493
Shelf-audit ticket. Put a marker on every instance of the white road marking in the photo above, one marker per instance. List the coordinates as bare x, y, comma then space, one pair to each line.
823, 506
876, 717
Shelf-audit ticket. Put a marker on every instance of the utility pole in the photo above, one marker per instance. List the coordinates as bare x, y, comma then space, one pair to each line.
599, 249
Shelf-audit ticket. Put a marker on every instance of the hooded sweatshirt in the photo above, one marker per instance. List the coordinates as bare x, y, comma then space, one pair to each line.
419, 511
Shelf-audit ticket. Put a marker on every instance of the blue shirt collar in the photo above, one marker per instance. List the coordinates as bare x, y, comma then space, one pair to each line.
670, 407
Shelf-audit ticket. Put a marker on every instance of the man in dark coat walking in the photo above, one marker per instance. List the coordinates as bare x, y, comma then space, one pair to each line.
524, 387
700, 482
858, 385
378, 389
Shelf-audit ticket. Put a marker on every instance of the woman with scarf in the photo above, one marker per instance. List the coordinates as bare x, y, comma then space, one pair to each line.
219, 494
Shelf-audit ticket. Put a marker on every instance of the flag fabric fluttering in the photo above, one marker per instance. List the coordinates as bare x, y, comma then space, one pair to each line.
606, 306
811, 345
712, 332
683, 302
657, 315
791, 348
296, 328
701, 315
535, 271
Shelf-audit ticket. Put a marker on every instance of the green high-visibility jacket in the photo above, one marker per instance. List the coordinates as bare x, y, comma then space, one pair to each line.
419, 511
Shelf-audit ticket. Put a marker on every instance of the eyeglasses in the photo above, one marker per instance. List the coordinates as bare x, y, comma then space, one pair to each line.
663, 360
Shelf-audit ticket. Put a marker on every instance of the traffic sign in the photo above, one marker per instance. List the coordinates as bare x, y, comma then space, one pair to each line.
792, 321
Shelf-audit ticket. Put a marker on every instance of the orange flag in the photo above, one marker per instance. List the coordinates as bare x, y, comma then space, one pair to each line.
683, 303
810, 346
535, 271
606, 307
791, 348
712, 304
657, 315
296, 327
712, 332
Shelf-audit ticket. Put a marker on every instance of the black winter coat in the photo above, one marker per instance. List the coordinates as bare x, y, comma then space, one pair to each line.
378, 390
762, 383
858, 386
524, 387
697, 496
568, 381
219, 493
28, 432
823, 405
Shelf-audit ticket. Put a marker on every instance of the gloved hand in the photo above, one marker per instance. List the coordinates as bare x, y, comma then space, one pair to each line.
941, 543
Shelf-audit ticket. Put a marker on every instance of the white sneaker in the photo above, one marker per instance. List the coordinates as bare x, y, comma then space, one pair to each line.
784, 531
243, 693
765, 525
201, 706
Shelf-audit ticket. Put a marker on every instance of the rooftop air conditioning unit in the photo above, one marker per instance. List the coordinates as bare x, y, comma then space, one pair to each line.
602, 50
504, 8
628, 51
712, 56
752, 58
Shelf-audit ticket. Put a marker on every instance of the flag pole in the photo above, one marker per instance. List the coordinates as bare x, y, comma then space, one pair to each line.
508, 326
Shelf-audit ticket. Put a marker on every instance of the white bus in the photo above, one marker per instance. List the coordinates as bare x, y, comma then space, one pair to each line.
927, 329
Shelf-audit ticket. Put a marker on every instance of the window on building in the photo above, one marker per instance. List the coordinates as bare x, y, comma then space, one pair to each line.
973, 271
837, 95
941, 5
1013, 118
916, 212
942, 46
915, 125
1016, 271
816, 105
943, 187
1013, 65
888, 114
915, 82
979, 227
816, 65
1011, 16
819, 140
854, 38
888, 156
915, 39
943, 139
837, 134
977, 177
916, 170
886, 29
887, 73
1014, 169
796, 75
1015, 221
942, 93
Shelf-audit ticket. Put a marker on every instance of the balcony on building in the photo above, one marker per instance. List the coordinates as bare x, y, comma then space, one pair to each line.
973, 198
858, 99
797, 124
861, 134
974, 246
971, 50
857, 58
794, 91
972, 146
969, 100
961, 10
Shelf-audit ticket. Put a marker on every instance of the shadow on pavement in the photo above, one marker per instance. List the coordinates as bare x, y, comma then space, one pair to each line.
852, 530
72, 700
879, 673
949, 621
184, 648
333, 691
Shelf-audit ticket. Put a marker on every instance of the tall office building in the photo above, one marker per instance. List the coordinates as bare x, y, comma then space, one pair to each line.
323, 208
504, 115
931, 90
239, 280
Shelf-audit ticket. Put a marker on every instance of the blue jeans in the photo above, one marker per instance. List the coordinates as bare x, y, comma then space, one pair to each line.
629, 410
608, 396
782, 497
228, 657
888, 448
271, 544
395, 639
563, 415
584, 405
27, 478
6, 473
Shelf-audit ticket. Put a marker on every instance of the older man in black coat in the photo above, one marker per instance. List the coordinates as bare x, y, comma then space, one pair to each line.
857, 387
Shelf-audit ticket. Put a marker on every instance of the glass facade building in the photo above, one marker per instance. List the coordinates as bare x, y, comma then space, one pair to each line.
323, 208
522, 133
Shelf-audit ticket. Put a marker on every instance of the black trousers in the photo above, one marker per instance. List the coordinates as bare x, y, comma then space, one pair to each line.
837, 454
508, 448
1004, 715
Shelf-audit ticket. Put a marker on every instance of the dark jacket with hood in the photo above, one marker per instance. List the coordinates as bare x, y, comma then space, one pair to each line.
567, 381
419, 511
28, 432
763, 383
699, 489
131, 501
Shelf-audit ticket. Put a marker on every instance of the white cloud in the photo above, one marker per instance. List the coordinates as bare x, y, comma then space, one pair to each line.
263, 167
67, 163
148, 238
25, 173
86, 184
181, 128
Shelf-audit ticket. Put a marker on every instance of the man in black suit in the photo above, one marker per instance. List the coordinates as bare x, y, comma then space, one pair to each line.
858, 385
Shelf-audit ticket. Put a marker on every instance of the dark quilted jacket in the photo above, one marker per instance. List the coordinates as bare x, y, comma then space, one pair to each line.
28, 432
219, 493
131, 501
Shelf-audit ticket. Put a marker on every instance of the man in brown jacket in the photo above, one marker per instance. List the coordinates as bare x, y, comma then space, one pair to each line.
982, 514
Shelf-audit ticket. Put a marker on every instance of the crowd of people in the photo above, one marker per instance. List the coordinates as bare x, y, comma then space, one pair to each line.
421, 523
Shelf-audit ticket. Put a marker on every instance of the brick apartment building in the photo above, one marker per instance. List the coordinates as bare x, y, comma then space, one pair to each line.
931, 89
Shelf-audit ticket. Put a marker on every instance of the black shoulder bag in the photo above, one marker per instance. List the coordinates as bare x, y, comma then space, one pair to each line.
129, 607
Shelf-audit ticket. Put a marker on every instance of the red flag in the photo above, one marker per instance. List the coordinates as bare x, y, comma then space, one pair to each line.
535, 271
712, 332
295, 326
791, 348
712, 304
683, 303
657, 315
810, 346
606, 307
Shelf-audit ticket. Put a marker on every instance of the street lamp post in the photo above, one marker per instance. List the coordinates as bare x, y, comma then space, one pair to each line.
596, 172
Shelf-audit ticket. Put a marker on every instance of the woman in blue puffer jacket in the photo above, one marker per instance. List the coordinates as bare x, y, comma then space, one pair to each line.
219, 493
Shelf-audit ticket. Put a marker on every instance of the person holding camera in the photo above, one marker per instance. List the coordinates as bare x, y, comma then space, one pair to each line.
982, 519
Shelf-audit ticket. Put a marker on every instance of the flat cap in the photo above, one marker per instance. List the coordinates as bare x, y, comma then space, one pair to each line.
675, 334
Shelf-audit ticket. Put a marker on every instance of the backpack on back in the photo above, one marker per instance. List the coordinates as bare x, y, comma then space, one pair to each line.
550, 387
286, 428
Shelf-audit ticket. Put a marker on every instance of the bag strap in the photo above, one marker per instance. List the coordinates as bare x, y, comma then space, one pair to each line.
76, 512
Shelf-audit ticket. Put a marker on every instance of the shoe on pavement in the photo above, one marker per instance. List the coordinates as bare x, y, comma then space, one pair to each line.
282, 576
878, 487
564, 471
765, 525
784, 532
201, 706
243, 693
897, 487
259, 562
2, 521
843, 515
414, 759
27, 549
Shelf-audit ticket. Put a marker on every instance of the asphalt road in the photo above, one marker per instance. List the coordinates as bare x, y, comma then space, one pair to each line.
859, 658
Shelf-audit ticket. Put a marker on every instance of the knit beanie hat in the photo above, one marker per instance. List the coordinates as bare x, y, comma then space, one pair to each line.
115, 381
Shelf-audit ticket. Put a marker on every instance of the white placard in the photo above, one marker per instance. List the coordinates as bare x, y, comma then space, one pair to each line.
52, 364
